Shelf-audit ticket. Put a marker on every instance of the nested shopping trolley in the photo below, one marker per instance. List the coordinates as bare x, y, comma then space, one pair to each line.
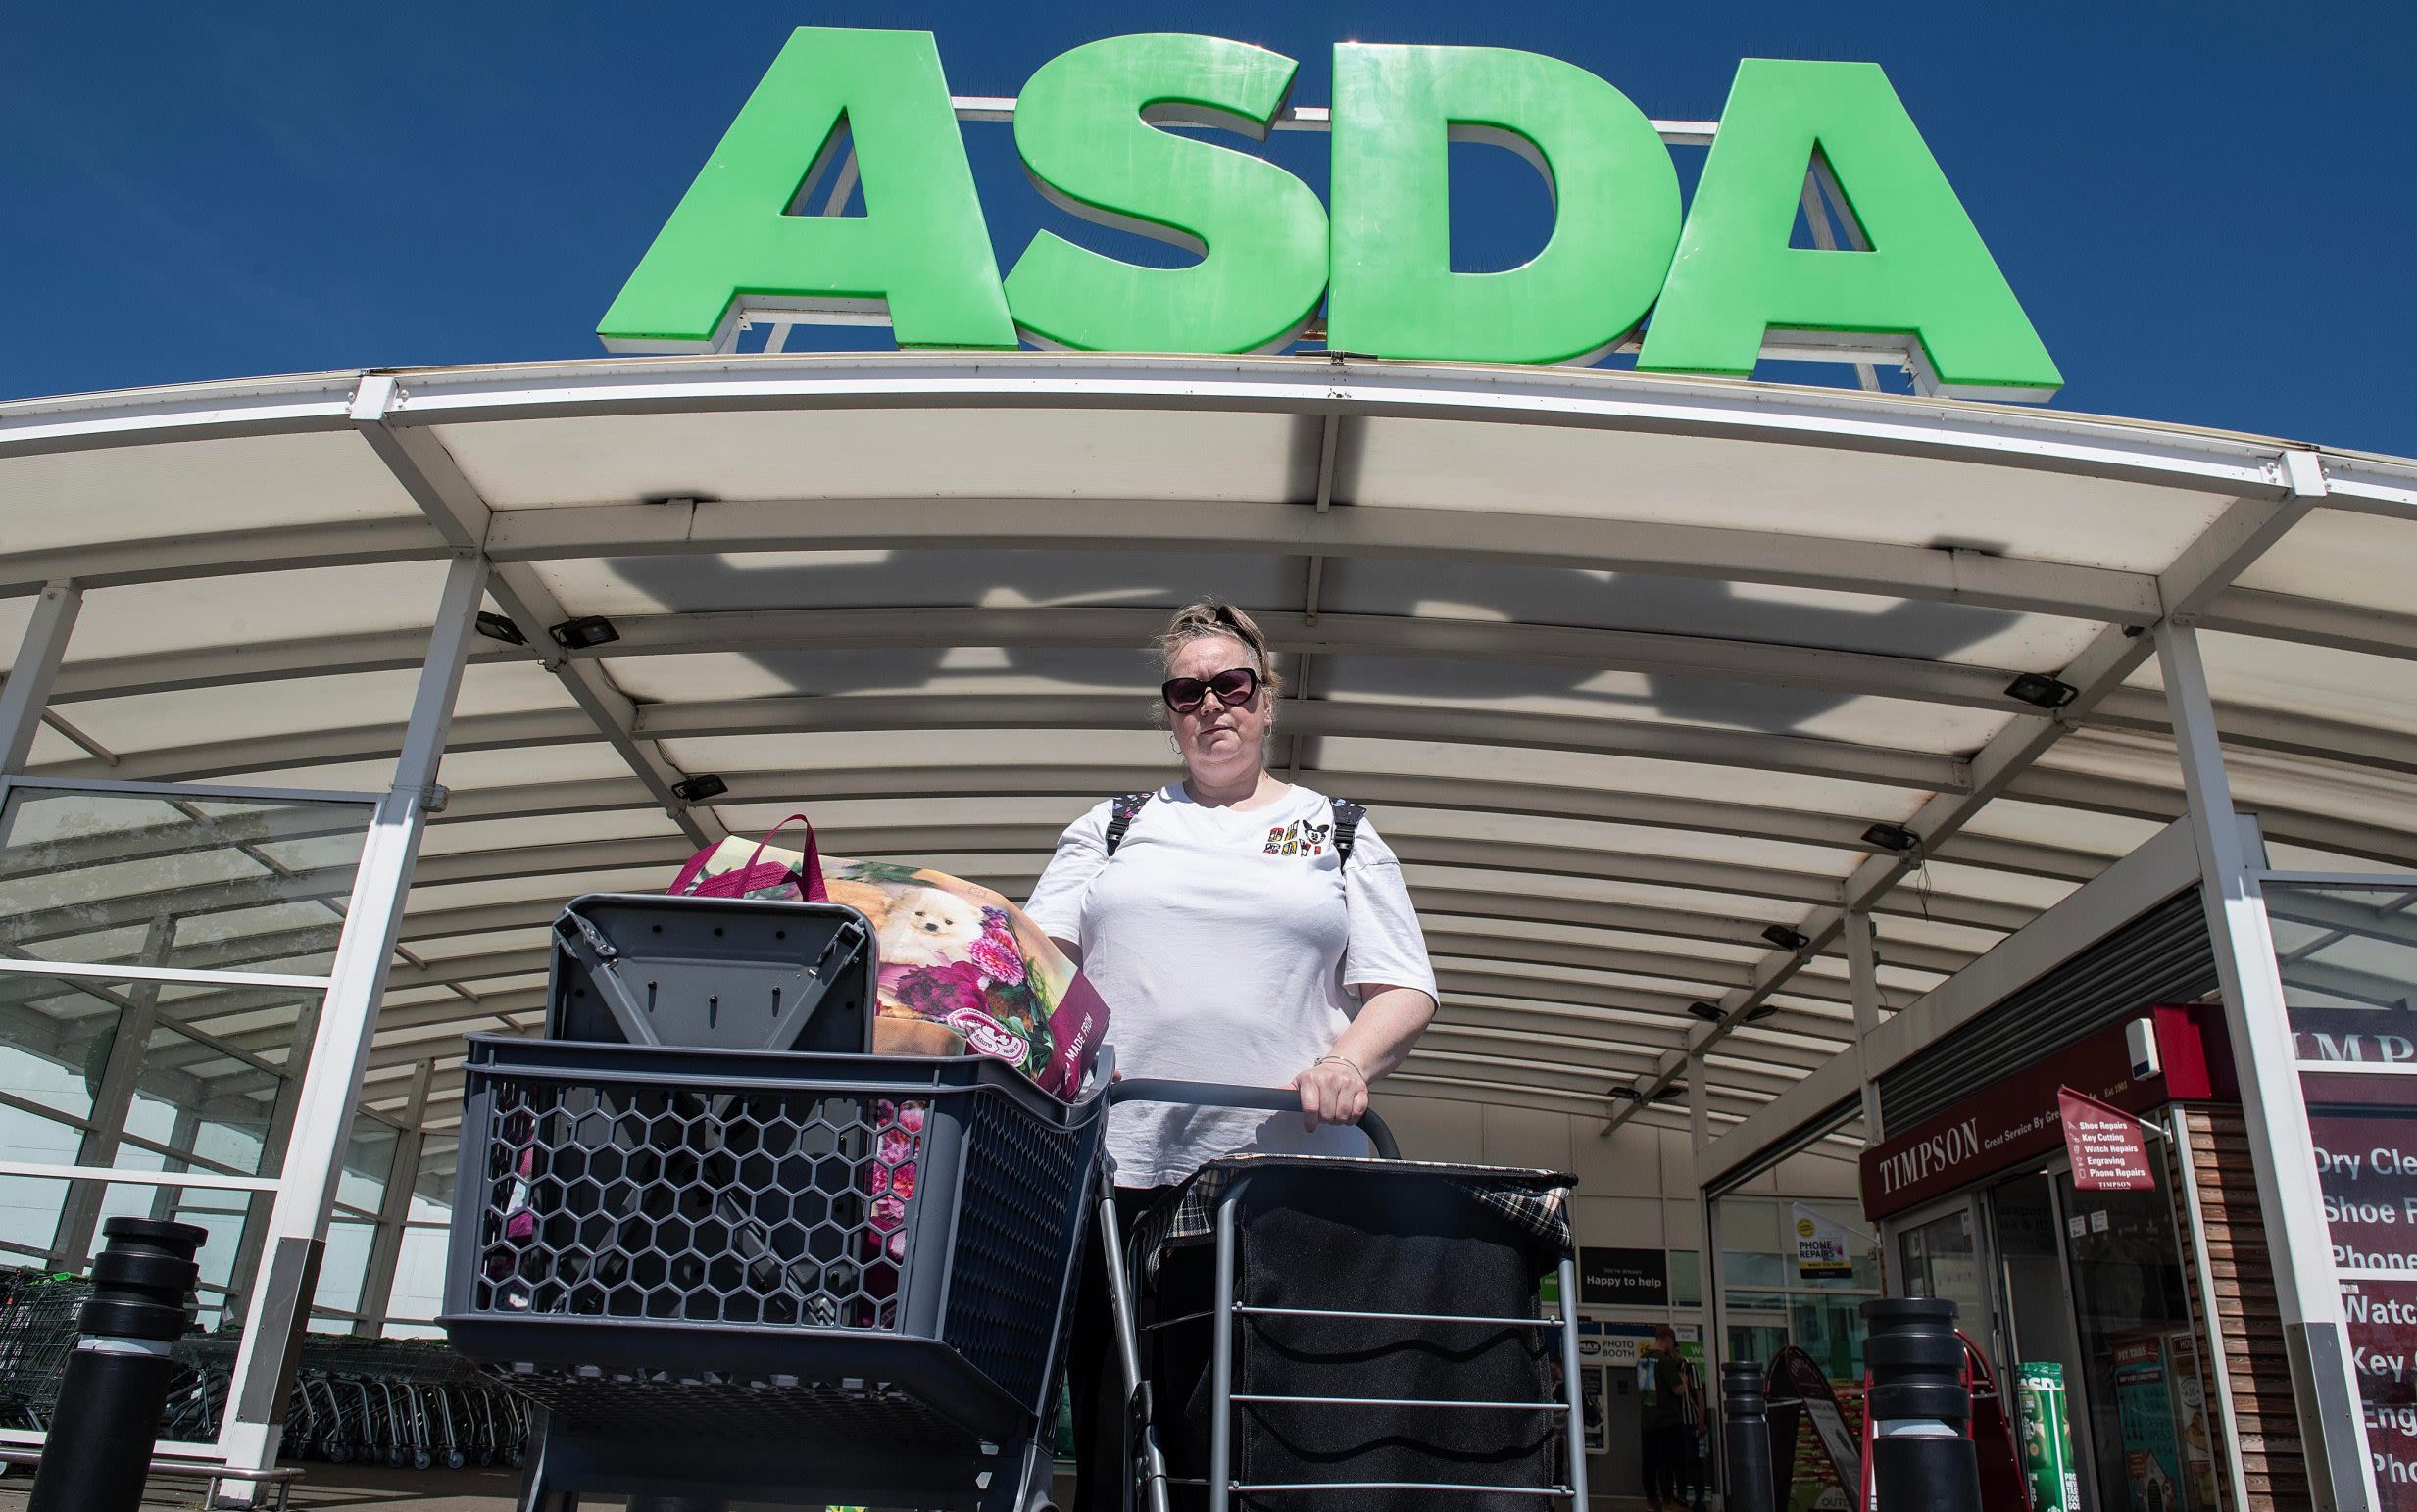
731, 1274
1339, 1335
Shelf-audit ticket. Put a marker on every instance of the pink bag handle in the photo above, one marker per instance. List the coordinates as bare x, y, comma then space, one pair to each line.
744, 880
809, 870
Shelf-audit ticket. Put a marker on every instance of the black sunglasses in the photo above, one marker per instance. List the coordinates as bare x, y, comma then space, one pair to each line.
1234, 686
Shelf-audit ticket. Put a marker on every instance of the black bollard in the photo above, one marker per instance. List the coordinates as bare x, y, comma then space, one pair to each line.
1745, 1437
115, 1384
1922, 1458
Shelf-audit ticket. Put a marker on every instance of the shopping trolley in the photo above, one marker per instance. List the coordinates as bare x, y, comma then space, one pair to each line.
770, 1276
1357, 1333
37, 1333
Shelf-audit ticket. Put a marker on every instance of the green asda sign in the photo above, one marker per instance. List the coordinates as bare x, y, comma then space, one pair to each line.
1716, 280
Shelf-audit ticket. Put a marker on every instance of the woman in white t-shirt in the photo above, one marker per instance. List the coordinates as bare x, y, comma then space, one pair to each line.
1231, 943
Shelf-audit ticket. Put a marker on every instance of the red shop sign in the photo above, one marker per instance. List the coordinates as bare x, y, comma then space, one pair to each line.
2364, 1130
2016, 1121
2109, 1153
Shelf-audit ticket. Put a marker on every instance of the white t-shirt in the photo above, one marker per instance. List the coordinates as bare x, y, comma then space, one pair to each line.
1223, 942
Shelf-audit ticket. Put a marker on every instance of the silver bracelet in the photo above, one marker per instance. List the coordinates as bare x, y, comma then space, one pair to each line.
1346, 1060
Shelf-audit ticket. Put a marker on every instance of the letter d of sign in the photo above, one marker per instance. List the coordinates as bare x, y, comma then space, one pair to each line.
1615, 207
920, 247
1926, 275
1086, 126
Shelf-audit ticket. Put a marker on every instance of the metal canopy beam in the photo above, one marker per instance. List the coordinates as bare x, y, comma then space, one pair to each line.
1229, 526
295, 750
2038, 441
256, 662
798, 715
26, 692
222, 553
2367, 837
1324, 633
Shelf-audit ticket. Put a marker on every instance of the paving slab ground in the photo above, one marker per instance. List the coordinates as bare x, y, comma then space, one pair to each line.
375, 1489
329, 1486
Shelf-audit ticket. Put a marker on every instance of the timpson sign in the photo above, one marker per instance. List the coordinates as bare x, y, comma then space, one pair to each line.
1717, 275
2017, 1120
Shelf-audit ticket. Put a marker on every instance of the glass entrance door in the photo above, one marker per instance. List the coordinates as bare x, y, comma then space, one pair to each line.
2027, 1223
2156, 1442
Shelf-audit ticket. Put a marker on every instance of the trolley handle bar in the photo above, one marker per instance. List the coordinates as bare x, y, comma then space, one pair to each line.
1275, 1100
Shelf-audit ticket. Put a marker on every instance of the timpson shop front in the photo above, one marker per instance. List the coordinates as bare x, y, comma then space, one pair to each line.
1798, 782
1980, 1204
2153, 1300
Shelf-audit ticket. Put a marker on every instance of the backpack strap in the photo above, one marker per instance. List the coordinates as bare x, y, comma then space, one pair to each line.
1121, 811
1346, 818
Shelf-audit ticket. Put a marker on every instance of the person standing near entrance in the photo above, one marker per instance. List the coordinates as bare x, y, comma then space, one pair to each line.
1242, 929
1670, 1407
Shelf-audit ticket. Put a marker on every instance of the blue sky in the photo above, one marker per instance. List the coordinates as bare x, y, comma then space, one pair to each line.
2205, 209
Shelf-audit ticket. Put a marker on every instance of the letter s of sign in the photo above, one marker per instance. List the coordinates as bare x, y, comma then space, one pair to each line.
920, 248
1087, 128
1615, 207
1923, 270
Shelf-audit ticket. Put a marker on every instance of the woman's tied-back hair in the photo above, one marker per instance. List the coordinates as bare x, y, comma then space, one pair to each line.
1205, 617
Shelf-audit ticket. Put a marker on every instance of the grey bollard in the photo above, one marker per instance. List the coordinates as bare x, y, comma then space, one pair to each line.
99, 1449
1922, 1458
1746, 1435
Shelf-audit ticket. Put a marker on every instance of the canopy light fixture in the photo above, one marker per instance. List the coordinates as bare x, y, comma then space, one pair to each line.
1757, 1015
584, 632
2041, 691
1786, 939
497, 627
696, 790
1705, 1011
1627, 1093
1671, 1092
1891, 837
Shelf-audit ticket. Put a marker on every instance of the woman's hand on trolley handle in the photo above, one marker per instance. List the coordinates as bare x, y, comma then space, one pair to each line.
1334, 1089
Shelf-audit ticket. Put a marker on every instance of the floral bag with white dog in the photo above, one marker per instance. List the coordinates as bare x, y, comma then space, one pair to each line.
963, 971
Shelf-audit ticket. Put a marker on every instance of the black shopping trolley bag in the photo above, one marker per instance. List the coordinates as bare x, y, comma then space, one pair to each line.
1458, 1388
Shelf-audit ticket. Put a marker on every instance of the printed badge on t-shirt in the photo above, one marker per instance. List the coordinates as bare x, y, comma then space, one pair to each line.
1298, 838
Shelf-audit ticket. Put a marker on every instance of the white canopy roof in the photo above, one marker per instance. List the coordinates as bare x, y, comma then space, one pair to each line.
1625, 667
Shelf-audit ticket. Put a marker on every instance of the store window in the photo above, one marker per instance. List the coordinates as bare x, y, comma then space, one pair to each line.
2143, 1383
2349, 961
1793, 1265
164, 953
1772, 1301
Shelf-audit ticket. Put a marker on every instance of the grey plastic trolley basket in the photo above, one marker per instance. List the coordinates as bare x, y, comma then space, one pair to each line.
1346, 1333
712, 973
701, 1263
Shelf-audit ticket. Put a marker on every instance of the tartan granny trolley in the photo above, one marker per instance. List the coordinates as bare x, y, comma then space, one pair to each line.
1363, 1334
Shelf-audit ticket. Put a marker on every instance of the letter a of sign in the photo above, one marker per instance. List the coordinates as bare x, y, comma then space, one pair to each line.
920, 247
1087, 127
1926, 272
1615, 207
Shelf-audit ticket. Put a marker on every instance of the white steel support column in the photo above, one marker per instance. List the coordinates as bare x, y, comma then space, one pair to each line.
26, 692
1699, 1103
1707, 1254
1864, 978
394, 1208
279, 1306
2324, 1382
